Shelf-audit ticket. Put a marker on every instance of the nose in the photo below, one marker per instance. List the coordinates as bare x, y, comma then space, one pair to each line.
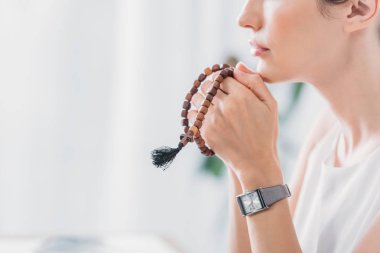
251, 15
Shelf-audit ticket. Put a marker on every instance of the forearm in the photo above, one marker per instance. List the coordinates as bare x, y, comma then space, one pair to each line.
270, 230
238, 237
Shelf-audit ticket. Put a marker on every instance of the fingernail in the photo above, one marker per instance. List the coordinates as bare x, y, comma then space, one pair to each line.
237, 64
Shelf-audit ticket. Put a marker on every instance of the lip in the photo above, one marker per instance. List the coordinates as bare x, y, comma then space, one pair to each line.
259, 51
257, 45
257, 48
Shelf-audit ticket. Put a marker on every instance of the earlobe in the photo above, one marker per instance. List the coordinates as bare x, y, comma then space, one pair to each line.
362, 13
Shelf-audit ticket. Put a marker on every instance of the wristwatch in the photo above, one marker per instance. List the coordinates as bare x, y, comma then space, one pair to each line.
261, 198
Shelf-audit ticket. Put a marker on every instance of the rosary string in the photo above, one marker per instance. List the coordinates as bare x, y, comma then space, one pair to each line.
162, 157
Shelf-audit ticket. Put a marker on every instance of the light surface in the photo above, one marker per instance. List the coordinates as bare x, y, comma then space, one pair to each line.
67, 244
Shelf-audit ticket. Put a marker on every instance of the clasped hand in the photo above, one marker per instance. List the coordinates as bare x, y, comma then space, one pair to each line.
241, 125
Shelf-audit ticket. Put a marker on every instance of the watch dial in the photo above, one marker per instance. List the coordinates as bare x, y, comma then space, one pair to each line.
251, 202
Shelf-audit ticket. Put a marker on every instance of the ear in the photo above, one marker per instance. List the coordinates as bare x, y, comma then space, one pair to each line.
361, 14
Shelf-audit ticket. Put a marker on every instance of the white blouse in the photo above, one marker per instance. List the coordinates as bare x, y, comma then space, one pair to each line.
336, 205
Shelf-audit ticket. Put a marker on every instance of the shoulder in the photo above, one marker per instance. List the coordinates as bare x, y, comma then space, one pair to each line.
323, 122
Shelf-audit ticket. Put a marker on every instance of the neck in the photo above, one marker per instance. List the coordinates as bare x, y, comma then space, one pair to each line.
354, 94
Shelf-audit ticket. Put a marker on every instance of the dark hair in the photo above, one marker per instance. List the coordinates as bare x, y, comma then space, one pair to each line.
324, 7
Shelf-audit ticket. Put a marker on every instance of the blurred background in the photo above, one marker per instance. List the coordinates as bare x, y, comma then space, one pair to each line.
88, 88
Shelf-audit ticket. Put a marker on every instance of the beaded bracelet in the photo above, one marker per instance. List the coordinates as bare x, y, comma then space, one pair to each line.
163, 156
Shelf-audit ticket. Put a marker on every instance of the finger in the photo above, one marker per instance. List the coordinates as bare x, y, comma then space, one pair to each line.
255, 83
215, 74
207, 86
197, 100
191, 115
241, 66
226, 85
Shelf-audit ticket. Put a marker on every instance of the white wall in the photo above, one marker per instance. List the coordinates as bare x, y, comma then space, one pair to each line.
88, 89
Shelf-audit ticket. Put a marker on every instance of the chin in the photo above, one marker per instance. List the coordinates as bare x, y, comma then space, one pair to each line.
273, 76
270, 77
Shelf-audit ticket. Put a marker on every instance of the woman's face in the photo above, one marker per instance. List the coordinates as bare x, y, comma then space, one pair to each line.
300, 40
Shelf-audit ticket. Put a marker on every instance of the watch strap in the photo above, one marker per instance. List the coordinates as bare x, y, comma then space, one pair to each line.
274, 193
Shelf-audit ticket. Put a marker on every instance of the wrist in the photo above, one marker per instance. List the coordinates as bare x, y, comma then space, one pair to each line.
234, 181
253, 180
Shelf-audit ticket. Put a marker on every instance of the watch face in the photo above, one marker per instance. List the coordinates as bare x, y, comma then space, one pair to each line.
251, 202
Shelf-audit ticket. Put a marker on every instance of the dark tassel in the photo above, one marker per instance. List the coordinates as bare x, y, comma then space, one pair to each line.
164, 156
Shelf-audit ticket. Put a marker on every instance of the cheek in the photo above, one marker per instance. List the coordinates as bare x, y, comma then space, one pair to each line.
292, 37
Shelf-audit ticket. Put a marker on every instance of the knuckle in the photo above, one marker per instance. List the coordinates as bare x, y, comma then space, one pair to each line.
256, 78
205, 132
227, 109
197, 100
275, 104
216, 73
235, 99
208, 136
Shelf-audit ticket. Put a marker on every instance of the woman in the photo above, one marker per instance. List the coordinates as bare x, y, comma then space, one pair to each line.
335, 46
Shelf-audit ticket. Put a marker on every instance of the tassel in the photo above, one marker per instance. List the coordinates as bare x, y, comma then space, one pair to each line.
164, 156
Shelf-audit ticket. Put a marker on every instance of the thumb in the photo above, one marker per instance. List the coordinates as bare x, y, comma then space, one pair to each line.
242, 67
256, 84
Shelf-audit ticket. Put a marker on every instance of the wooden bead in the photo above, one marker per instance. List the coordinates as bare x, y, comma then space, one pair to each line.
203, 109
184, 113
225, 66
198, 124
207, 71
188, 96
194, 130
186, 129
209, 97
202, 77
202, 143
184, 141
186, 105
216, 84
200, 116
199, 139
181, 136
215, 67
193, 90
212, 91
196, 84
219, 78
208, 152
197, 134
224, 73
203, 149
204, 152
230, 72
206, 103
185, 122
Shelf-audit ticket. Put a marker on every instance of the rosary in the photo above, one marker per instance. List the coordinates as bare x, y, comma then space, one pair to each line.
163, 156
